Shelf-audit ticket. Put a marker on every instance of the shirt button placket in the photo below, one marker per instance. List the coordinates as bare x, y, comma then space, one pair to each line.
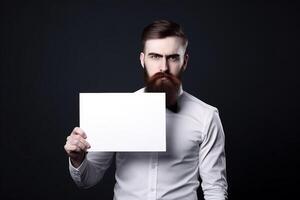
153, 178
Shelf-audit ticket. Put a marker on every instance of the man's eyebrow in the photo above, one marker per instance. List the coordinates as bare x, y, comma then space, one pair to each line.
168, 56
154, 54
173, 55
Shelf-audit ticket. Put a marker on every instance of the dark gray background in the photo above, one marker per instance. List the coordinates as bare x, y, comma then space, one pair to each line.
243, 60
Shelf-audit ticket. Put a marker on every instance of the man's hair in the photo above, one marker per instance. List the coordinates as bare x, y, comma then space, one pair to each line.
160, 29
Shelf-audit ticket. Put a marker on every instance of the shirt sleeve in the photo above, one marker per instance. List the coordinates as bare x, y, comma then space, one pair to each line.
212, 161
92, 169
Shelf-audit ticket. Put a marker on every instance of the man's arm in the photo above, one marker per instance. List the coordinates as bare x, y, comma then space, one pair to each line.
92, 169
86, 169
212, 161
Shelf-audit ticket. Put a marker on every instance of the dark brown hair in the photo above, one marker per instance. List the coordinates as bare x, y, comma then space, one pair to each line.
161, 29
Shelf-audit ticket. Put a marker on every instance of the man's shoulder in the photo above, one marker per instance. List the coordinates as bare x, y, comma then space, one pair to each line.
197, 104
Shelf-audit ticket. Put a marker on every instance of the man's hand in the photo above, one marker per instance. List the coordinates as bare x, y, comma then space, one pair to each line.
76, 146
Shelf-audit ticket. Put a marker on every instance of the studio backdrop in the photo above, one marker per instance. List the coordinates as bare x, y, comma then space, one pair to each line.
243, 60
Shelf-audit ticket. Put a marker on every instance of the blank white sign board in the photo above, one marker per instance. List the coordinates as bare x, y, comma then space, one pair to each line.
124, 121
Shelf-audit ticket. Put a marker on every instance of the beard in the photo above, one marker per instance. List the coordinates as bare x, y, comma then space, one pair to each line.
164, 82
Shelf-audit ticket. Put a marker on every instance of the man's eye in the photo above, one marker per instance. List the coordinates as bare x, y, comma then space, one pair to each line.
155, 56
174, 58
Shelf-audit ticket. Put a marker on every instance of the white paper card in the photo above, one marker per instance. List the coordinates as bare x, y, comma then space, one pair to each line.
124, 121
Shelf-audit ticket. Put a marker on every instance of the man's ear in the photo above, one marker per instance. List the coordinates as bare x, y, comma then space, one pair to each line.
185, 61
142, 59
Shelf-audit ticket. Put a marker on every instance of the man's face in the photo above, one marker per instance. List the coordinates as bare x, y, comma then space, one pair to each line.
164, 55
164, 60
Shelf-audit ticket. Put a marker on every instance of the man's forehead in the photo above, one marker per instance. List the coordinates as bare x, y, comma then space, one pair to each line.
165, 46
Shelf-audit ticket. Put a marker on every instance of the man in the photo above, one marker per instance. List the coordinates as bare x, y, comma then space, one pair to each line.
195, 137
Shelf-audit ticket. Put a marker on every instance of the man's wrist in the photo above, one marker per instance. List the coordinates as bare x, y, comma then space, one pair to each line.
77, 162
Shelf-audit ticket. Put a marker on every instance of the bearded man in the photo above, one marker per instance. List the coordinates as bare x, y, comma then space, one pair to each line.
195, 137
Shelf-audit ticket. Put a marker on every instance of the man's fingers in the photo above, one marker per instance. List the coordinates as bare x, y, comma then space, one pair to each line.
71, 148
79, 131
74, 139
86, 144
79, 143
76, 142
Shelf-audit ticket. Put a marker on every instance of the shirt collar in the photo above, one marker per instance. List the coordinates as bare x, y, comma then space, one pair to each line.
180, 92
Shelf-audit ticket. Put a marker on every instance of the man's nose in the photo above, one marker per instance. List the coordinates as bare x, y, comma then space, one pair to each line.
164, 65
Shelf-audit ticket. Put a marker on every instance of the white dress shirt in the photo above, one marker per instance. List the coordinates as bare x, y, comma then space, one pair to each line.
195, 146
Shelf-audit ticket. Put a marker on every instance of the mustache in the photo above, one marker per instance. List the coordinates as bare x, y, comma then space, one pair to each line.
173, 80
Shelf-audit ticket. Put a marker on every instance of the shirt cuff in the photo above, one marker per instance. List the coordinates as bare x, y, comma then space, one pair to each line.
79, 170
